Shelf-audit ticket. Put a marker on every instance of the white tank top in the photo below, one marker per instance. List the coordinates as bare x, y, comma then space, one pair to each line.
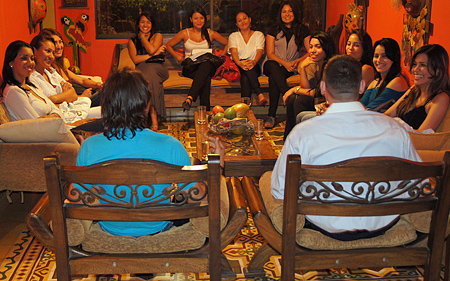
190, 45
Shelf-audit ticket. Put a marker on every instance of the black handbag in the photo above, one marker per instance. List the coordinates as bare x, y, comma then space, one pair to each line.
190, 65
156, 59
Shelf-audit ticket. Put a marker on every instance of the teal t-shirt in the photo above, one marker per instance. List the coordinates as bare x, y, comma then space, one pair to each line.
145, 144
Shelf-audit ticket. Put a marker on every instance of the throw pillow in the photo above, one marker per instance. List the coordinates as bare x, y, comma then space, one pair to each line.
36, 130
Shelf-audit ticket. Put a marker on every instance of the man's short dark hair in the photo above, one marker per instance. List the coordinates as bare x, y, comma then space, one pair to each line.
124, 102
343, 76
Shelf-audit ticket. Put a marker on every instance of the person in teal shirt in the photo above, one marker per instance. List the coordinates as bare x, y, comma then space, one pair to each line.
389, 83
125, 104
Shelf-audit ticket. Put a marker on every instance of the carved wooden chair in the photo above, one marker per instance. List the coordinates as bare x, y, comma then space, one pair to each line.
421, 197
76, 199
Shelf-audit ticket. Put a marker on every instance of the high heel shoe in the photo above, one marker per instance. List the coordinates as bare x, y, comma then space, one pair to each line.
186, 105
262, 102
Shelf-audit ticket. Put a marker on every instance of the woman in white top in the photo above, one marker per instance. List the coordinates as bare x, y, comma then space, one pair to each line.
197, 37
54, 85
23, 99
246, 47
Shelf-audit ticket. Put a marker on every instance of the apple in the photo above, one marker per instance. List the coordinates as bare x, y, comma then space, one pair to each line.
217, 109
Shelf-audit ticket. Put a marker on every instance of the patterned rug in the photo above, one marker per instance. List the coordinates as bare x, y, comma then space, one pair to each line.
29, 260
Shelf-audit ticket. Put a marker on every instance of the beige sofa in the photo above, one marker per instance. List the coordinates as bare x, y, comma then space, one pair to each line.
431, 147
23, 144
176, 80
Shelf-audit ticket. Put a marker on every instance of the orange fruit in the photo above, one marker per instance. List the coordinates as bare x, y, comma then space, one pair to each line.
217, 109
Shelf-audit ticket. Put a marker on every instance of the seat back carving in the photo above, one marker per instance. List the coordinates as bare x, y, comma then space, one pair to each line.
192, 192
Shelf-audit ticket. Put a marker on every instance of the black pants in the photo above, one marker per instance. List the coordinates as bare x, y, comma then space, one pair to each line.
201, 84
277, 83
249, 81
294, 105
96, 94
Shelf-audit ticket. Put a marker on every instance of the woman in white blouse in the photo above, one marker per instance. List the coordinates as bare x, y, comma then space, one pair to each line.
54, 86
246, 47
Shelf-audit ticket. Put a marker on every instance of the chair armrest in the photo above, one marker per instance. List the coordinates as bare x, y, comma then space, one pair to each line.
436, 141
38, 222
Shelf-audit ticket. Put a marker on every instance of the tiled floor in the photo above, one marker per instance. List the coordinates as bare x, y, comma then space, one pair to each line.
12, 218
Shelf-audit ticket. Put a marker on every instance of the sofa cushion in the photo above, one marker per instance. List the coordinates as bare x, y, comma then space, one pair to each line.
401, 233
36, 130
274, 206
182, 238
4, 115
201, 224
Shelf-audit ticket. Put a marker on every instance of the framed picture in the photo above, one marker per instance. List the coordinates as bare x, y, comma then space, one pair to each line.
74, 4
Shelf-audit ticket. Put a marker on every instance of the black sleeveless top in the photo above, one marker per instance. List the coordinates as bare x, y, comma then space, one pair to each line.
415, 117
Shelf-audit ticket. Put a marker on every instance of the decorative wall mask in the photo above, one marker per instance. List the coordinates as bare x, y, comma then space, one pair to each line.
38, 11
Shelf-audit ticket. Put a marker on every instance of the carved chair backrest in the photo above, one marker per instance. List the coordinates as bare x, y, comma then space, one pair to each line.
113, 190
369, 186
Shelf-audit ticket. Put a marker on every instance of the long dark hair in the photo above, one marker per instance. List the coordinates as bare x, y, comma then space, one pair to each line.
392, 51
205, 33
367, 46
137, 42
242, 12
296, 24
58, 64
124, 103
438, 63
11, 53
327, 43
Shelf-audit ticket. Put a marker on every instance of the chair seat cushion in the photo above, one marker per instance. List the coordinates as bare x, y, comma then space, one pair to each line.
176, 239
274, 206
401, 233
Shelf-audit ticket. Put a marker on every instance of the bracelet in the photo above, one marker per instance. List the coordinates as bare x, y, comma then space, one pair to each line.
296, 90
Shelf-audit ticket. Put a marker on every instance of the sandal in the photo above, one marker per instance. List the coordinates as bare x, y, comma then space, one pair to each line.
263, 101
270, 122
187, 105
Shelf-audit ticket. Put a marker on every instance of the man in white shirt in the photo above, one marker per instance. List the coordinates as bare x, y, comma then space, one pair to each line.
346, 130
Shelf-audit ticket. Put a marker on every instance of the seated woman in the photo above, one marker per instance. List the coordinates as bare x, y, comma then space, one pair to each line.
285, 44
125, 105
305, 96
246, 47
425, 104
142, 47
80, 84
358, 46
197, 39
22, 98
58, 90
389, 83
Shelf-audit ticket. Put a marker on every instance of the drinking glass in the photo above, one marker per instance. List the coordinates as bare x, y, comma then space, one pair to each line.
259, 129
201, 114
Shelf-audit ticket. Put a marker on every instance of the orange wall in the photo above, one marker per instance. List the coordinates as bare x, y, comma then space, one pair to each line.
383, 20
13, 25
97, 60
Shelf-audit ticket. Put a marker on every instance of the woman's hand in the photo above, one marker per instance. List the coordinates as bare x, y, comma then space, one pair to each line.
87, 93
53, 115
321, 108
217, 147
289, 66
160, 50
306, 62
288, 93
65, 86
249, 64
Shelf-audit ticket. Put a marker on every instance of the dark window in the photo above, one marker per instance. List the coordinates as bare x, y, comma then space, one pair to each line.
117, 18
